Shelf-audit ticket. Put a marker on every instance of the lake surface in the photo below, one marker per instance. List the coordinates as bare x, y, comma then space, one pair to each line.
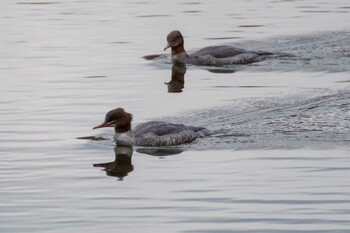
278, 160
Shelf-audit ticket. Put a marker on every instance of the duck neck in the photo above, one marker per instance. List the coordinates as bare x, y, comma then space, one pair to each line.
178, 50
124, 124
122, 129
124, 138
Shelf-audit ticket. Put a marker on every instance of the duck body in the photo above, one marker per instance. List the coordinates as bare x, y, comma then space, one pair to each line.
153, 133
159, 133
212, 55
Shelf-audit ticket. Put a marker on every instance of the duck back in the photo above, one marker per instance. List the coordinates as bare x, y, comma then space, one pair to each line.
158, 133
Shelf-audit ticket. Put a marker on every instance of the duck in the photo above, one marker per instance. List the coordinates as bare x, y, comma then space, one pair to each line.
152, 133
221, 55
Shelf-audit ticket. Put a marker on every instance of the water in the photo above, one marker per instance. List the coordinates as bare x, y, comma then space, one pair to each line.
279, 158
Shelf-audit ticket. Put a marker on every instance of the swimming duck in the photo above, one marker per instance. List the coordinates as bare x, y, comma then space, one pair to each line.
153, 133
212, 55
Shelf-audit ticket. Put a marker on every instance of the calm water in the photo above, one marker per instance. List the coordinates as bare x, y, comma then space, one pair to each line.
278, 161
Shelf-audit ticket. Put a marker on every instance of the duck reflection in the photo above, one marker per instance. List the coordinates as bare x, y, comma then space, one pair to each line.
160, 152
178, 71
121, 166
177, 82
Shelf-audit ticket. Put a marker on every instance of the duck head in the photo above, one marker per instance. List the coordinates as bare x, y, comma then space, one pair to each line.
117, 118
175, 42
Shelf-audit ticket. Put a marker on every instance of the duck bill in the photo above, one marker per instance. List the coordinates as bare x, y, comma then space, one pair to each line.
168, 46
103, 125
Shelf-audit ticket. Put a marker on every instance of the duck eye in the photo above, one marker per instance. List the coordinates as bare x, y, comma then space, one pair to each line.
111, 118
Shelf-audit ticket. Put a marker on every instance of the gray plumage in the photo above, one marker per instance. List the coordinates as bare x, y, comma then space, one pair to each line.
221, 56
158, 133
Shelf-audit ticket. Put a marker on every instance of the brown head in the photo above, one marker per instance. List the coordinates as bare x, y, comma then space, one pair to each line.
117, 118
175, 42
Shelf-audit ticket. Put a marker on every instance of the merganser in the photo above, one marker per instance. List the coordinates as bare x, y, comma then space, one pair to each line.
153, 133
212, 55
